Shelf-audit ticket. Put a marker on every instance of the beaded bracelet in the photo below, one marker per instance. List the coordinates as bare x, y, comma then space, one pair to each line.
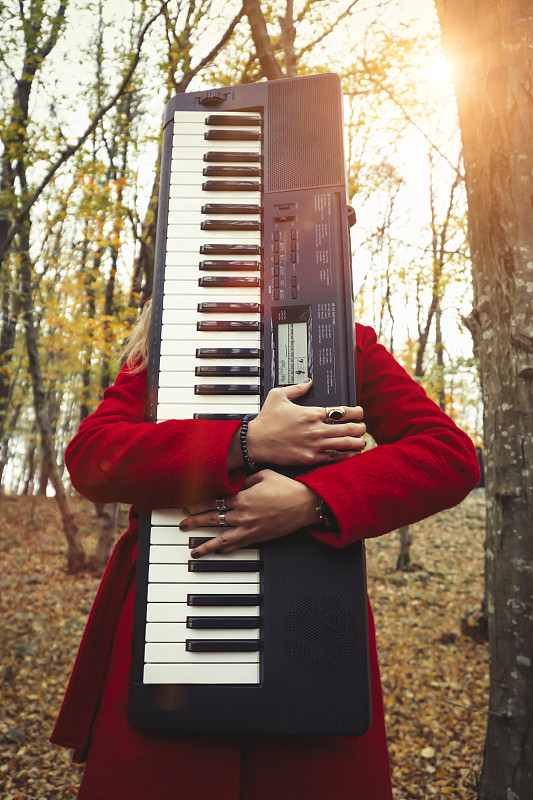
250, 466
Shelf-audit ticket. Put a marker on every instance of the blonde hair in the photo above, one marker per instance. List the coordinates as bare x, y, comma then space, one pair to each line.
135, 352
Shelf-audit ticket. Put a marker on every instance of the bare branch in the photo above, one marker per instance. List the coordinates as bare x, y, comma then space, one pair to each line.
373, 79
69, 151
329, 30
220, 44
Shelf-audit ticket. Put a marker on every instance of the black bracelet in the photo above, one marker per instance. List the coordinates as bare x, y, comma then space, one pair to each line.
250, 466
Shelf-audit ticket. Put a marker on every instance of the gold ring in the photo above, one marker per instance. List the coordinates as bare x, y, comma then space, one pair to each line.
222, 518
335, 414
221, 504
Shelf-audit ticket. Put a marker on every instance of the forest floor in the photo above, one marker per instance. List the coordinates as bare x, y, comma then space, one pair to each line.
434, 666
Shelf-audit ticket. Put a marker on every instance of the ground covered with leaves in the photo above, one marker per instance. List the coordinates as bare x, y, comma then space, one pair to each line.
434, 666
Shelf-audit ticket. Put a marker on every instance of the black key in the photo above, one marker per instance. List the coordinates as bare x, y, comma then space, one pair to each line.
217, 281
233, 119
232, 136
230, 208
223, 622
227, 371
224, 565
228, 352
228, 388
222, 645
227, 325
230, 225
223, 599
196, 541
230, 249
230, 308
231, 171
232, 157
231, 186
230, 265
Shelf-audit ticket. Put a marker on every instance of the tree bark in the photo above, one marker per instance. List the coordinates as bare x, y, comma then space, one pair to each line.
490, 45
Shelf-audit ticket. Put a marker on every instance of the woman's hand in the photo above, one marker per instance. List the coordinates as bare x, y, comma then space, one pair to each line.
285, 433
269, 506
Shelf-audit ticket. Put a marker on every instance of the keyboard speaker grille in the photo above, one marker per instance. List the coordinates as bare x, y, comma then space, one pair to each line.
305, 134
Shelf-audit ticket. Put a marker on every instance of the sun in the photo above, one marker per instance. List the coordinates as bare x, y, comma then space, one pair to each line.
437, 71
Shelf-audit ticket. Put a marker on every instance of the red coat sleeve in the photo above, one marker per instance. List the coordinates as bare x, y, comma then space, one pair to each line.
423, 464
118, 457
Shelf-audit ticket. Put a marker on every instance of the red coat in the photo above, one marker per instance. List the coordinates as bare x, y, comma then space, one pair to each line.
424, 464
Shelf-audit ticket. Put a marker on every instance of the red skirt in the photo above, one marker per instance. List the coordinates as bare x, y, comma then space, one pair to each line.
124, 763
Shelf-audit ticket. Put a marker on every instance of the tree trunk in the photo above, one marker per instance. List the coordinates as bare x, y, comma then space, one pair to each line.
490, 44
404, 556
107, 514
75, 552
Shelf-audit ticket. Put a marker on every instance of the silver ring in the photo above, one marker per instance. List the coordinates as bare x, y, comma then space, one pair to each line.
222, 518
335, 414
221, 504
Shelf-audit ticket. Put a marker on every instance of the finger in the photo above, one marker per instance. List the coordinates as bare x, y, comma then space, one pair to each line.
209, 505
206, 519
353, 413
225, 542
255, 478
346, 443
334, 456
353, 429
297, 389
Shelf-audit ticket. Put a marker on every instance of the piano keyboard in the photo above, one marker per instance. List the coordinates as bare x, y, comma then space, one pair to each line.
203, 616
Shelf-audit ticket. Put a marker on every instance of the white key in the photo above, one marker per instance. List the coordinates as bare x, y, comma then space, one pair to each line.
184, 411
173, 397
178, 612
230, 196
179, 203
184, 380
189, 333
177, 347
202, 673
179, 573
192, 316
179, 632
164, 652
171, 364
180, 553
167, 516
187, 234
178, 592
175, 258
194, 216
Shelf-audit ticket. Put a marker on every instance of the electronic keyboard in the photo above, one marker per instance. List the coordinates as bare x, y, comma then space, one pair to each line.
252, 289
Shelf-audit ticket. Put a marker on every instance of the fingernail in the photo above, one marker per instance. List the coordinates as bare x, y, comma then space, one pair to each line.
183, 526
186, 511
195, 554
307, 380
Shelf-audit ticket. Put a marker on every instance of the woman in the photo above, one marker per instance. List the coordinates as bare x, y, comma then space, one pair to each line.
422, 465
